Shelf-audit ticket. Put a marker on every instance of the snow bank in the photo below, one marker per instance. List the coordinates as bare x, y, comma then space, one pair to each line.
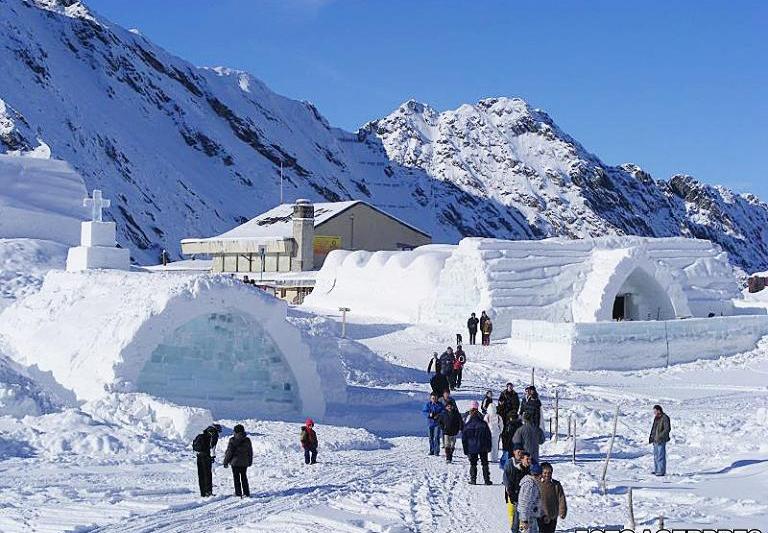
40, 199
633, 345
556, 280
23, 265
152, 416
72, 434
396, 285
198, 340
19, 394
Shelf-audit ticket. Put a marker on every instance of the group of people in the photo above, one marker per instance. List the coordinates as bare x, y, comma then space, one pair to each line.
448, 368
485, 325
239, 455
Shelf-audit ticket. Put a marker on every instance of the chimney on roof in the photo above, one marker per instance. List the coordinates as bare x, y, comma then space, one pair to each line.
303, 234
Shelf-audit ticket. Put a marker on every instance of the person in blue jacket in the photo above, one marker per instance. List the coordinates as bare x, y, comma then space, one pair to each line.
432, 411
477, 442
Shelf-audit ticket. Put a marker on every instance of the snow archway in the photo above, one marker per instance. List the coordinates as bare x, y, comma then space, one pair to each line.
223, 361
196, 340
628, 283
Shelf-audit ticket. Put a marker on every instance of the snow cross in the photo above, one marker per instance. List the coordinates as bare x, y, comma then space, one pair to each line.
97, 203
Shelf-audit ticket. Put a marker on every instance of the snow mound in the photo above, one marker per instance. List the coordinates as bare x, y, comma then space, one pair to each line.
72, 434
199, 340
152, 416
364, 281
19, 394
23, 265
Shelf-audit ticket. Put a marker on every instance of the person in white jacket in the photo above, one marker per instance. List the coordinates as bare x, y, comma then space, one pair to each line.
529, 501
496, 424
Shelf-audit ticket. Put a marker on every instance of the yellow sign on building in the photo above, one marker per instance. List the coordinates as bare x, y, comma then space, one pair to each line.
322, 244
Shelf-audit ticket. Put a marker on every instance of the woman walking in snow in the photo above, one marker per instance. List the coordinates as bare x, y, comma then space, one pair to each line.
486, 330
496, 425
309, 441
240, 455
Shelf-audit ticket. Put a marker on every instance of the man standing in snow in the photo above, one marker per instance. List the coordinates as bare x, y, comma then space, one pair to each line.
529, 437
472, 327
529, 500
432, 411
659, 438
435, 361
447, 399
205, 447
439, 384
507, 434
450, 423
553, 503
514, 471
509, 402
476, 441
446, 363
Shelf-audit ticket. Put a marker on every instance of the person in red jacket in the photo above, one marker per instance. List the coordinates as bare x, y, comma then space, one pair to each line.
458, 367
309, 441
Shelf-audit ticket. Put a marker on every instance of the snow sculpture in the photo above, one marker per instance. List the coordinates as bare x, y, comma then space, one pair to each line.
97, 241
196, 340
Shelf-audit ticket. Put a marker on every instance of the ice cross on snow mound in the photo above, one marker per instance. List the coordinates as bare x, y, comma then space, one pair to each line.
97, 203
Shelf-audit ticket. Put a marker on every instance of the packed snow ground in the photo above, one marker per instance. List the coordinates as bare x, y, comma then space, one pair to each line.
78, 470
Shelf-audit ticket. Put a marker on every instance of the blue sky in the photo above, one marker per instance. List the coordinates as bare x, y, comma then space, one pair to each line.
672, 86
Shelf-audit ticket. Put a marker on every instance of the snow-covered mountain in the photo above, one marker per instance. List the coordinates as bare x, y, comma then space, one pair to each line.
506, 151
187, 151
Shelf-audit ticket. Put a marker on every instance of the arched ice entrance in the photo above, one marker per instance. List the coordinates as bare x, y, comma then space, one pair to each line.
626, 284
226, 362
641, 297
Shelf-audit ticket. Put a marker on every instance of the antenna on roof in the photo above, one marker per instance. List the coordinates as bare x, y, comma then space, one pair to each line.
281, 182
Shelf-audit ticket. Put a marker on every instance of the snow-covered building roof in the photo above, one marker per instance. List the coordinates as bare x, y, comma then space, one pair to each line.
277, 222
555, 280
197, 340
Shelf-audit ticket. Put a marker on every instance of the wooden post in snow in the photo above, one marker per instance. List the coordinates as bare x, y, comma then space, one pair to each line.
533, 372
570, 417
557, 413
630, 510
574, 442
610, 446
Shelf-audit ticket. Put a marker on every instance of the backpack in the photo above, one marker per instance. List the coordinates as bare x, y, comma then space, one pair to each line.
198, 445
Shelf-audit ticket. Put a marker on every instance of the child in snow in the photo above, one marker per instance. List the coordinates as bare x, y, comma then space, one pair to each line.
496, 425
309, 441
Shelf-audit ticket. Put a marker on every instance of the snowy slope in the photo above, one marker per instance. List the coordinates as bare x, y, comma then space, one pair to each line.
504, 150
182, 151
186, 151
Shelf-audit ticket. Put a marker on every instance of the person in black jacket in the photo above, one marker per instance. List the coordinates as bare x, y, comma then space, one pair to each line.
435, 361
240, 455
472, 327
477, 443
514, 472
509, 402
439, 384
531, 404
511, 425
451, 423
205, 447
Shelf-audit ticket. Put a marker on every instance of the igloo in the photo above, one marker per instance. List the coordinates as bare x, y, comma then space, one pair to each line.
610, 302
197, 340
